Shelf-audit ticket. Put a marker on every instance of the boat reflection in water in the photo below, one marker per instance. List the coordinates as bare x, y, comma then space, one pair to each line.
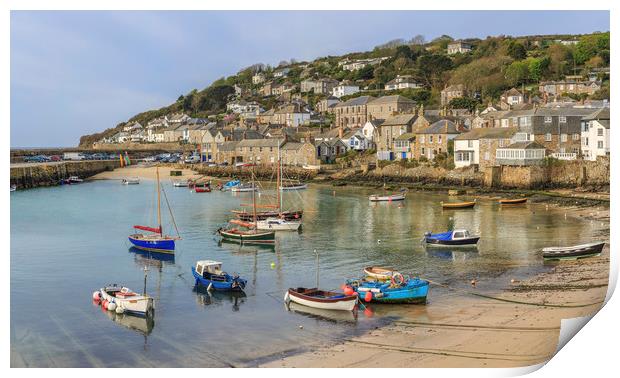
143, 325
456, 254
235, 246
205, 297
151, 258
318, 313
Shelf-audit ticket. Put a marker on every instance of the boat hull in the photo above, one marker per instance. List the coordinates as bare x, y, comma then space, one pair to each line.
262, 215
513, 201
218, 285
574, 252
379, 273
392, 198
452, 243
163, 245
267, 237
343, 303
137, 305
411, 293
286, 226
295, 187
462, 205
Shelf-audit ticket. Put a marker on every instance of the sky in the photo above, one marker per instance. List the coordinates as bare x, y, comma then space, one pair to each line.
80, 72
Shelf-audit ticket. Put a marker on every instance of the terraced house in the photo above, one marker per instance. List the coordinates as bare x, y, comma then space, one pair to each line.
434, 139
478, 146
389, 131
352, 113
387, 106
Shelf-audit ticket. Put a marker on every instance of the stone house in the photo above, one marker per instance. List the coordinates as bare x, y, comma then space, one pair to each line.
177, 119
452, 92
520, 153
326, 105
353, 112
390, 129
292, 115
458, 47
318, 86
175, 133
511, 98
227, 153
595, 134
434, 139
478, 146
258, 78
155, 134
328, 150
298, 154
387, 106
259, 151
280, 89
558, 88
266, 89
266, 117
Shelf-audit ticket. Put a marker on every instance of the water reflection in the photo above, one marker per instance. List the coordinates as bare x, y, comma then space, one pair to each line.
142, 258
205, 297
238, 247
454, 254
317, 313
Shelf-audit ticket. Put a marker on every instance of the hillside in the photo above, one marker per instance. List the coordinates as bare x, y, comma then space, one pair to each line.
494, 65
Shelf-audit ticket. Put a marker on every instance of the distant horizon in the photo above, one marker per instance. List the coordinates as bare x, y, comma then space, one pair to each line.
80, 72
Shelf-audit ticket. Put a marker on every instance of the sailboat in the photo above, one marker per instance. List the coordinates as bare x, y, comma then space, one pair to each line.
252, 235
278, 223
155, 241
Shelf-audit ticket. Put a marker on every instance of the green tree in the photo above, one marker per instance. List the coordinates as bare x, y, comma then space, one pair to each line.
463, 103
364, 73
590, 46
537, 68
517, 73
516, 50
432, 67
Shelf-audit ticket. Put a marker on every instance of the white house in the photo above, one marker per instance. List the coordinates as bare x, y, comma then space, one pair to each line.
371, 129
355, 140
244, 107
258, 78
458, 47
344, 89
155, 135
282, 72
132, 127
402, 82
595, 134
512, 97
479, 145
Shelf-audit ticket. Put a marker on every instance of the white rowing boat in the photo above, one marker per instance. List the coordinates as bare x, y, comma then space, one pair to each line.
278, 224
127, 301
390, 198
326, 300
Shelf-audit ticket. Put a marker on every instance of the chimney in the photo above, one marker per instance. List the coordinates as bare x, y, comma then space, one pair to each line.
340, 132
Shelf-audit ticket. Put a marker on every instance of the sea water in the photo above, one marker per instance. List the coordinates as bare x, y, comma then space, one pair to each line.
69, 241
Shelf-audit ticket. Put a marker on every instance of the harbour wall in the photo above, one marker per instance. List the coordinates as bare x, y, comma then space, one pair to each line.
260, 172
31, 175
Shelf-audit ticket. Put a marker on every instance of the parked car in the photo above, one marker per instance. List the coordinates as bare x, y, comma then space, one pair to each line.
150, 159
55, 158
173, 159
192, 159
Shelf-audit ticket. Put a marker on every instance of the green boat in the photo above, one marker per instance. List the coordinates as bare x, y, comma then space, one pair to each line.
248, 237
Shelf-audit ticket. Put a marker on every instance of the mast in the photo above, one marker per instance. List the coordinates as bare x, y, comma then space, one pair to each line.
254, 200
158, 203
279, 182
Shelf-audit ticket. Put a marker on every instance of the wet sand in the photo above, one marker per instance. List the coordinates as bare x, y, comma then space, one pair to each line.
145, 172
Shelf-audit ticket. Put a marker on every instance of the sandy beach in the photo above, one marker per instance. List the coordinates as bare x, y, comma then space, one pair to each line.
145, 172
519, 327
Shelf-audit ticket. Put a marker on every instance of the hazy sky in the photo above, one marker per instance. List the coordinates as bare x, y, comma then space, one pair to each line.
74, 73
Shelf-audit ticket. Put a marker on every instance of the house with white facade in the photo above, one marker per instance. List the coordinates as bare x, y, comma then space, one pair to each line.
478, 146
258, 78
595, 134
281, 72
355, 140
370, 130
132, 127
402, 82
345, 89
457, 47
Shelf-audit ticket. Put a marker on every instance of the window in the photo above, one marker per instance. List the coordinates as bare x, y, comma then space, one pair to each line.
501, 143
599, 132
548, 137
470, 143
562, 119
547, 119
600, 144
575, 136
585, 142
422, 151
422, 139
439, 139
430, 139
564, 137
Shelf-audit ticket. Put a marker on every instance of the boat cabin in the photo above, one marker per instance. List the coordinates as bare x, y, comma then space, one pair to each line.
460, 234
211, 270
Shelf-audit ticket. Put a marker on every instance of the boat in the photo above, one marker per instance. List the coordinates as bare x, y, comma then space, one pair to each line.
262, 215
251, 235
514, 201
388, 198
379, 272
573, 252
13, 188
248, 187
458, 205
399, 289
125, 301
71, 180
180, 184
294, 187
131, 181
192, 184
454, 238
206, 189
209, 273
230, 184
155, 241
278, 224
326, 300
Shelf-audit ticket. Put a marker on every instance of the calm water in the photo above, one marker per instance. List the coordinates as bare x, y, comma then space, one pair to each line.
68, 241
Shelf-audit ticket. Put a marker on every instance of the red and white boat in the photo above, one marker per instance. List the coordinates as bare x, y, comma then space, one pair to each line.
389, 198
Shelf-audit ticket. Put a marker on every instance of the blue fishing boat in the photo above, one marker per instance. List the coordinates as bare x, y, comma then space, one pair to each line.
155, 241
399, 289
231, 184
454, 238
209, 273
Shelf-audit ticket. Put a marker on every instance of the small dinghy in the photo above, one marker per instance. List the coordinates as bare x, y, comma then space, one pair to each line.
122, 300
454, 238
379, 273
131, 181
206, 189
573, 252
209, 274
71, 180
388, 198
399, 289
515, 201
277, 224
229, 185
458, 205
249, 187
294, 187
180, 184
326, 300
13, 188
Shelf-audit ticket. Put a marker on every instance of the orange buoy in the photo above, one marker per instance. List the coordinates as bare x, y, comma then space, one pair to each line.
368, 296
348, 290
